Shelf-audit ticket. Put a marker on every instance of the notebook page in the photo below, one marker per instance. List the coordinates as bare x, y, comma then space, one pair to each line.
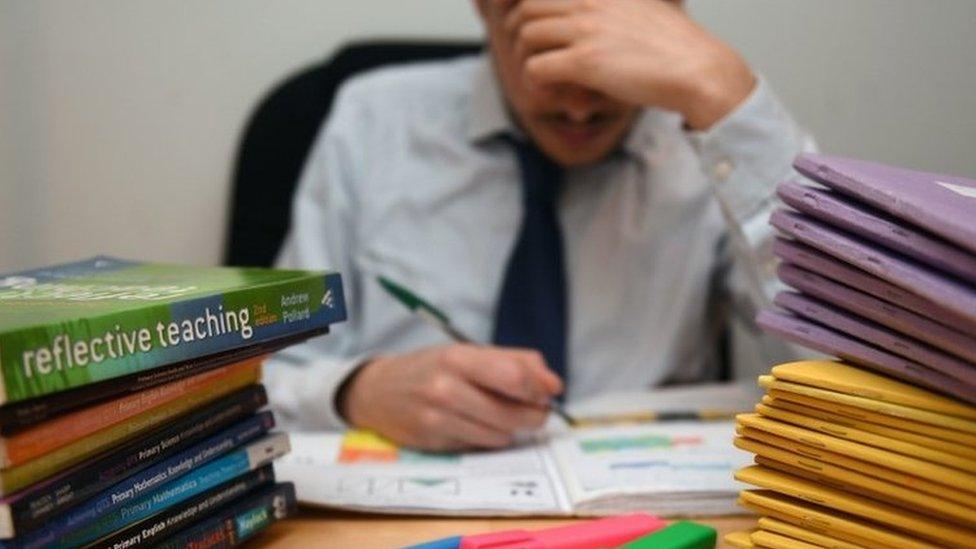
358, 470
669, 468
731, 398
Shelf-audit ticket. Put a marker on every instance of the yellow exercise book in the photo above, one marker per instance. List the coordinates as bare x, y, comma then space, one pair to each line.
964, 450
885, 514
828, 473
829, 522
814, 459
784, 528
878, 490
772, 384
860, 414
804, 521
739, 539
948, 476
772, 540
870, 439
842, 378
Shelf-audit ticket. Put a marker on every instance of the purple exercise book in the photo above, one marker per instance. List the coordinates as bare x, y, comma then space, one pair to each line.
844, 213
864, 330
942, 204
946, 291
825, 340
810, 259
886, 314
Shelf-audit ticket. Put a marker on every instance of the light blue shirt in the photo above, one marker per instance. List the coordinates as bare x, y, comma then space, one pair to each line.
407, 179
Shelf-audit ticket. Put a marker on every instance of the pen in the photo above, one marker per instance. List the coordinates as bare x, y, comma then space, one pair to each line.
437, 318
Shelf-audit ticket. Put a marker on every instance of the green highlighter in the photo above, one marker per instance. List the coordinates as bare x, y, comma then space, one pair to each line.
680, 535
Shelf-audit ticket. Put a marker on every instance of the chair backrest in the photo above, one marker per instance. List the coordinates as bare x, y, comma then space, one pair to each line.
280, 133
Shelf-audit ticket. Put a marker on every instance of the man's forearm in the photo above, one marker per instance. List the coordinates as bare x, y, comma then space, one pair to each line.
745, 156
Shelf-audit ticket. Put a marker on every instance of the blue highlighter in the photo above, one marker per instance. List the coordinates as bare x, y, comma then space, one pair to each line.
446, 543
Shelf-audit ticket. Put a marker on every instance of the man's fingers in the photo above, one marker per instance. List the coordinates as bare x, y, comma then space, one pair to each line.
504, 371
473, 434
497, 412
527, 10
559, 66
536, 363
446, 430
545, 34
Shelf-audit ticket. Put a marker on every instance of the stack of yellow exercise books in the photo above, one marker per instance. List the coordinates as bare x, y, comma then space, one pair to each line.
845, 457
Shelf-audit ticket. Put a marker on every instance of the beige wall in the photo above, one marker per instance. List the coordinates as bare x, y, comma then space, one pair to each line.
119, 118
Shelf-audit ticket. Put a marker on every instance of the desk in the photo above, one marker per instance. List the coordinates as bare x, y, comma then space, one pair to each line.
341, 529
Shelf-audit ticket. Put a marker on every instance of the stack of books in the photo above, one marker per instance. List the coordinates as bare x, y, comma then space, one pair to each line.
877, 449
130, 400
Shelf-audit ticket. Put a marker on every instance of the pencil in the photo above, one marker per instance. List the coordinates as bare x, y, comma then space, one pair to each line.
640, 417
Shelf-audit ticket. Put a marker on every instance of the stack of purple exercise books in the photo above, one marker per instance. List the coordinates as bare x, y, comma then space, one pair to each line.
882, 263
878, 448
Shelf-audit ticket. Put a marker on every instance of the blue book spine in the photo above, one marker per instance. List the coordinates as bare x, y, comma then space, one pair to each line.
238, 523
149, 532
175, 480
34, 506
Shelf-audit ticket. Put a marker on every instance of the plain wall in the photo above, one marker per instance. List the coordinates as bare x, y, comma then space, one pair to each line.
119, 118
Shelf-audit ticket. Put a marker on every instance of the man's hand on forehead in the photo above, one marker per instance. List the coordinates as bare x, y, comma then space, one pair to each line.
643, 52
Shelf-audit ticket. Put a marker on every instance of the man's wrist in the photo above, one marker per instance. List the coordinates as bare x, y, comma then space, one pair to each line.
723, 85
344, 392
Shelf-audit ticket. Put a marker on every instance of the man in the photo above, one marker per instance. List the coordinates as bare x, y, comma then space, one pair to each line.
608, 251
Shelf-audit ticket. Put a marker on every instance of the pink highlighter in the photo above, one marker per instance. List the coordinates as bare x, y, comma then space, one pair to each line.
598, 534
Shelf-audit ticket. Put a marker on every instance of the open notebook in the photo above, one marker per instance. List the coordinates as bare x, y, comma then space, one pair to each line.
667, 468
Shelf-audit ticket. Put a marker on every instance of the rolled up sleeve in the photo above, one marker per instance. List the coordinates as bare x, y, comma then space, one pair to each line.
744, 156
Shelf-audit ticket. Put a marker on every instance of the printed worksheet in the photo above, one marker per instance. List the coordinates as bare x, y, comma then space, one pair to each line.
667, 468
361, 470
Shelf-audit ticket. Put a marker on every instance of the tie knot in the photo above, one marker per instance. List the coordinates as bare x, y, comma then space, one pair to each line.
541, 176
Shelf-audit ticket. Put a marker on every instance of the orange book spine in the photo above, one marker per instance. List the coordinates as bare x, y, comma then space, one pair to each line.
63, 430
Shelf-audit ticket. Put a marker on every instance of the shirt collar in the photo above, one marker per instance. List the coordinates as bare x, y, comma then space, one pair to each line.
489, 116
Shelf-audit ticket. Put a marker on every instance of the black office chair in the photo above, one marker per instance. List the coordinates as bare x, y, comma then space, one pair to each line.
279, 135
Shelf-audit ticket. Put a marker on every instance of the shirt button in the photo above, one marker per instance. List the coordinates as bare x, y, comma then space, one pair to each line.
722, 169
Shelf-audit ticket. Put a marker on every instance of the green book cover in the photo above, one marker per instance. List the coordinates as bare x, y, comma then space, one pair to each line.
79, 323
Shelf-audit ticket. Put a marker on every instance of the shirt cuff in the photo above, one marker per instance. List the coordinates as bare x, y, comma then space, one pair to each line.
749, 151
303, 395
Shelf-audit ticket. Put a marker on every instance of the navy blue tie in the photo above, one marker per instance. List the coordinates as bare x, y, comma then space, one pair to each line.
532, 310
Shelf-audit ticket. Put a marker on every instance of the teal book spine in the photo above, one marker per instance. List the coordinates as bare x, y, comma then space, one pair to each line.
77, 324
